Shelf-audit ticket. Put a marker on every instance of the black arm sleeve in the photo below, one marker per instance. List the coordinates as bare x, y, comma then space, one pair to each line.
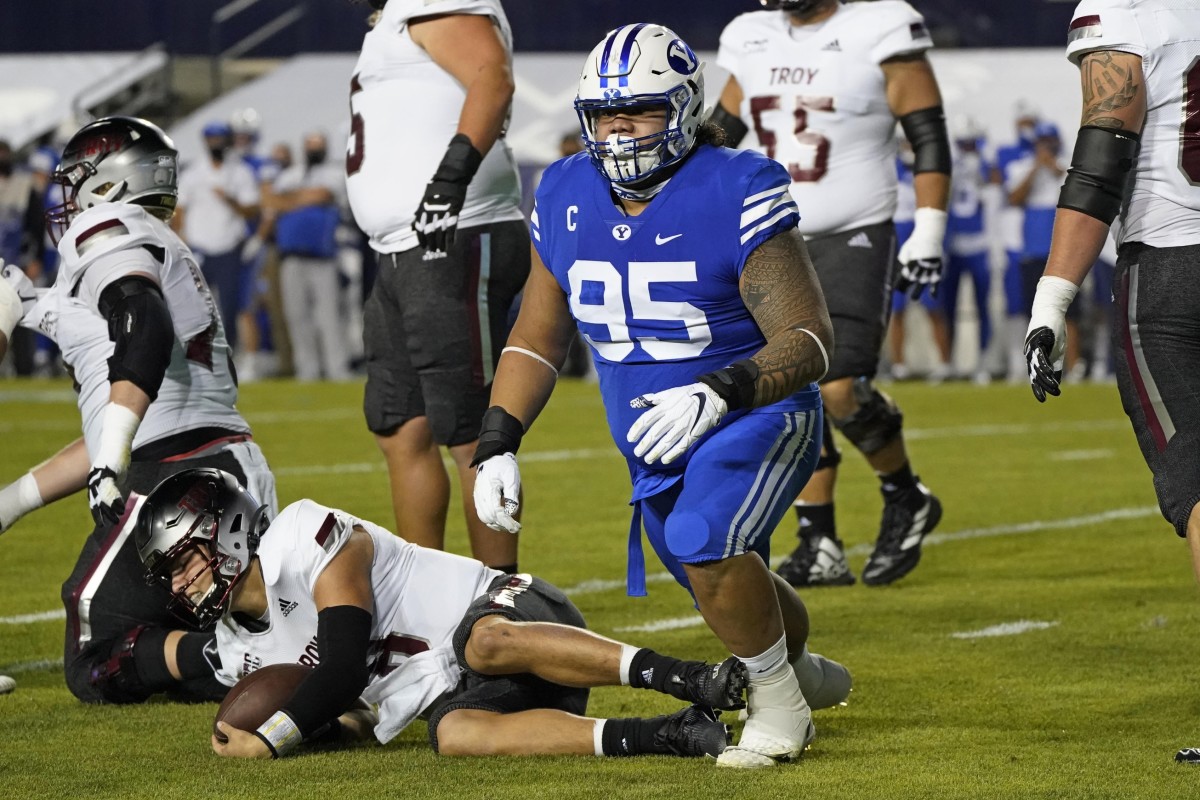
343, 637
140, 326
926, 132
1101, 173
735, 129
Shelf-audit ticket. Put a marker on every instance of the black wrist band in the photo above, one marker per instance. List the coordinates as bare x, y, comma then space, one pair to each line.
734, 384
461, 161
501, 433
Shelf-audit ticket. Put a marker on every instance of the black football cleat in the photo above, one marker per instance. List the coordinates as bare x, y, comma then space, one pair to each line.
721, 685
1188, 755
898, 548
693, 731
819, 560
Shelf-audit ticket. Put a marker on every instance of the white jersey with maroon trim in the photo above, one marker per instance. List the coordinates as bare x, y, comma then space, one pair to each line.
420, 597
404, 112
1164, 208
112, 241
815, 96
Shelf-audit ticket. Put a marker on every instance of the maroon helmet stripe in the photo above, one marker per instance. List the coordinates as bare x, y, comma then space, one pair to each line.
1090, 19
326, 528
103, 226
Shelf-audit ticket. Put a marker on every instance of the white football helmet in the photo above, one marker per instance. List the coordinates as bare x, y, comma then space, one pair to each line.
641, 65
206, 508
115, 160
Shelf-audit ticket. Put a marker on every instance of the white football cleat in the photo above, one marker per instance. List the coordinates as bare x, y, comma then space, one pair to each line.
775, 733
7, 684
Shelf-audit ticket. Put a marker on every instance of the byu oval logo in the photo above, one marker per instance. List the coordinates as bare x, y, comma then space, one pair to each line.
681, 58
622, 232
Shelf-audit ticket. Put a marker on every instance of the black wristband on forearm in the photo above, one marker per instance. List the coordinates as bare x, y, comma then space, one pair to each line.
501, 433
461, 161
343, 638
734, 384
926, 132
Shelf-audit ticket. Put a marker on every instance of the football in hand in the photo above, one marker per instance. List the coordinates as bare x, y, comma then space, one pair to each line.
254, 698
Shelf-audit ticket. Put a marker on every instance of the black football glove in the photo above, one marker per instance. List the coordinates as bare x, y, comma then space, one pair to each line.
437, 216
1044, 379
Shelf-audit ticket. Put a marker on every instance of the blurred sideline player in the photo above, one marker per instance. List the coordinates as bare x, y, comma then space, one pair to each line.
433, 86
906, 205
1137, 160
143, 340
967, 243
500, 664
679, 262
806, 75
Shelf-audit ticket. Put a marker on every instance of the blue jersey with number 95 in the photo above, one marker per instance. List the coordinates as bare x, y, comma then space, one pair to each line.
656, 295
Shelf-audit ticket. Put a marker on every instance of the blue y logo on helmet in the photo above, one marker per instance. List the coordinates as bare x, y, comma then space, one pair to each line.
681, 58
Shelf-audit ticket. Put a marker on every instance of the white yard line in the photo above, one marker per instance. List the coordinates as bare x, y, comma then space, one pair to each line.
32, 666
1081, 455
690, 621
41, 616
1004, 629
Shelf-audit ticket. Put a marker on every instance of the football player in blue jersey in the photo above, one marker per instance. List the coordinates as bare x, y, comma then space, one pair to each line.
680, 263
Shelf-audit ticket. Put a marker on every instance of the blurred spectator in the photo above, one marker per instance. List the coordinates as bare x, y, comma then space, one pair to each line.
42, 162
22, 240
217, 196
307, 200
967, 236
252, 314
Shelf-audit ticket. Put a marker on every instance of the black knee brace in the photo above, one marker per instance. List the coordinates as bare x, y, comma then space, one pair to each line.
831, 456
876, 423
119, 678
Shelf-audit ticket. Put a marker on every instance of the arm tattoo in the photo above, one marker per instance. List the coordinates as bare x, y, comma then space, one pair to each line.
1107, 87
780, 289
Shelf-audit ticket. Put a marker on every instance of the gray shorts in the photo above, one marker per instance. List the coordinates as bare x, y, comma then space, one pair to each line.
523, 599
855, 268
1156, 344
433, 331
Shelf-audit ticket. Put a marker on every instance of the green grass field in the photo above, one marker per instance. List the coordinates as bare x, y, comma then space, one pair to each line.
1050, 519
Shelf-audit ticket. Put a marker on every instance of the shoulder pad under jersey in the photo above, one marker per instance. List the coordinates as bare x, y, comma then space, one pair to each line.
105, 229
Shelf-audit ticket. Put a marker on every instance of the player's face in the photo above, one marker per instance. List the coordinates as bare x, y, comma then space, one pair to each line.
633, 122
190, 572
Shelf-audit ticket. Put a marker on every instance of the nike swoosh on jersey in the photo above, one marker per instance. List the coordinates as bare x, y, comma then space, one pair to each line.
660, 239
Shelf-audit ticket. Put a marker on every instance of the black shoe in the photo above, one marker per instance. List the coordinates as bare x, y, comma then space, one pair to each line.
693, 731
898, 548
718, 685
819, 560
1189, 755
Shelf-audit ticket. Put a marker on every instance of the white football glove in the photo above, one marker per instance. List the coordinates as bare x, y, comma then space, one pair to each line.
921, 257
17, 296
1046, 339
498, 492
111, 461
675, 421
